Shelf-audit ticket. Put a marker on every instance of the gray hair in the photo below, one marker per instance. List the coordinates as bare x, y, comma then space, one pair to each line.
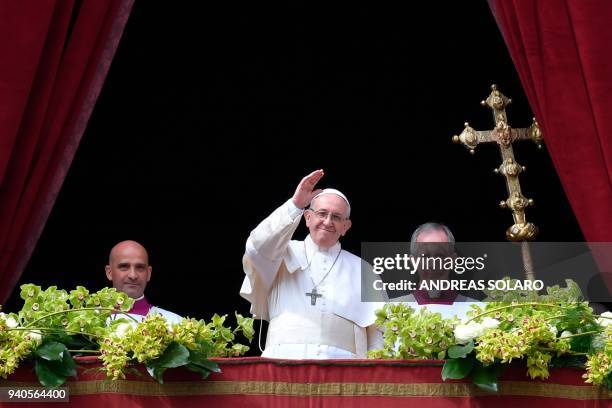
429, 226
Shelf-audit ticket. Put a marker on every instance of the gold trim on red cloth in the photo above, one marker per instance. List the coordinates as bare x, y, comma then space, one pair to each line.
208, 387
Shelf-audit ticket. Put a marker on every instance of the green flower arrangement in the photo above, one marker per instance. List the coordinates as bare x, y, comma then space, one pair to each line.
556, 329
54, 326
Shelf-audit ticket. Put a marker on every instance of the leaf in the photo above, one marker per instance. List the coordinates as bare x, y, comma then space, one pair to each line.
381, 313
458, 351
51, 350
240, 349
572, 315
66, 367
218, 320
607, 381
79, 342
246, 325
175, 355
568, 361
582, 344
226, 334
46, 376
194, 367
486, 377
204, 347
457, 368
157, 373
201, 360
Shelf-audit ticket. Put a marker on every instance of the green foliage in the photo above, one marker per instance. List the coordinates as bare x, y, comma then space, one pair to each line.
485, 377
599, 364
53, 364
460, 351
457, 368
413, 335
54, 324
189, 343
555, 329
51, 350
568, 360
175, 355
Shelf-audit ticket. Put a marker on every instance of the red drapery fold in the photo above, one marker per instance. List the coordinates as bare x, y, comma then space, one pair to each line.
54, 58
562, 50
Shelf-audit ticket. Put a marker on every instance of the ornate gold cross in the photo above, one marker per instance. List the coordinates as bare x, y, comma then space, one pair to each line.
504, 136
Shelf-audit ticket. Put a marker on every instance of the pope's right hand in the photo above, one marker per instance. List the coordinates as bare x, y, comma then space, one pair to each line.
305, 192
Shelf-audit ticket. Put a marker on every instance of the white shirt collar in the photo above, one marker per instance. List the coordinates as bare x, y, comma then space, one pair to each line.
312, 248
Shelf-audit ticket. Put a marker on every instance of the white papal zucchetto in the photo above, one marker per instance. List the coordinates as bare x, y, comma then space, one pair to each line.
336, 192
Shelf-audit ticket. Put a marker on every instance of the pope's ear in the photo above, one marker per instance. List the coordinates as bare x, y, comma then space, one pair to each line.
150, 269
109, 274
307, 215
347, 226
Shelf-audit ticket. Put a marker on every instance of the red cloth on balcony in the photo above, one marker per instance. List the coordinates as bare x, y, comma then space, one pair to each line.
259, 382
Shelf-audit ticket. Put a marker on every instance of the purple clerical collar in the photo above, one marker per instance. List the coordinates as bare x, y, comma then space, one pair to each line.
447, 297
141, 306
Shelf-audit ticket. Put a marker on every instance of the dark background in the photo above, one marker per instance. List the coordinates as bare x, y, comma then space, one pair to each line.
211, 114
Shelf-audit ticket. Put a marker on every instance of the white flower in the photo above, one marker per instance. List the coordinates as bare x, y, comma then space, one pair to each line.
122, 328
466, 332
603, 322
490, 323
9, 320
11, 323
36, 336
566, 333
553, 329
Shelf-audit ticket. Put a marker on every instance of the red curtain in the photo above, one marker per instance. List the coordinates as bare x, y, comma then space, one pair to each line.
562, 50
54, 56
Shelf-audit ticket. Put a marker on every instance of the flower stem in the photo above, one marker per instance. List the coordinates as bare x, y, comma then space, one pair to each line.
497, 309
51, 329
79, 310
85, 351
571, 353
554, 317
583, 334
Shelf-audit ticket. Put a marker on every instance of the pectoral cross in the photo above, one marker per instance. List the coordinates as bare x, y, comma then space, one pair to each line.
313, 296
504, 136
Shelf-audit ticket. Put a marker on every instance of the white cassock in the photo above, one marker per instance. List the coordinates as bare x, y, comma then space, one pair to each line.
171, 317
279, 274
458, 308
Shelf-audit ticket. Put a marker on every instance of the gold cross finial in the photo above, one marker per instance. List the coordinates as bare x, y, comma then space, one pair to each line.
505, 136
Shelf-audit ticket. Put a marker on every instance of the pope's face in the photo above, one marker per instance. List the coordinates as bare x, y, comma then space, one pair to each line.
129, 269
327, 220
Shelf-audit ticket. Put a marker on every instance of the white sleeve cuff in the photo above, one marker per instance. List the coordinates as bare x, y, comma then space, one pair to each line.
293, 210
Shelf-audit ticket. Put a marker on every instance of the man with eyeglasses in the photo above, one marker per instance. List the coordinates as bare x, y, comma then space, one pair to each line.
436, 240
308, 290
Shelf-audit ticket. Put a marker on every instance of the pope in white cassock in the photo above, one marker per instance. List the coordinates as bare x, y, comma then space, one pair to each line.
309, 291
